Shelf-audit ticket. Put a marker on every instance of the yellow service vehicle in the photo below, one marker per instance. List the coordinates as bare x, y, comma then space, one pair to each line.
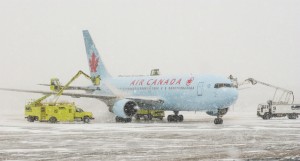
58, 111
63, 112
149, 114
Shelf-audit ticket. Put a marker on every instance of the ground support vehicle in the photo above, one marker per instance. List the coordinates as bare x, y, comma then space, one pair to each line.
267, 111
62, 112
149, 114
58, 111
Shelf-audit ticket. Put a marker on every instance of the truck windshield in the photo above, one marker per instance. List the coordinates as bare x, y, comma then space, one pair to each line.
79, 110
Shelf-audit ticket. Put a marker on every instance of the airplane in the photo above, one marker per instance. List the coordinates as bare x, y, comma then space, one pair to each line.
124, 95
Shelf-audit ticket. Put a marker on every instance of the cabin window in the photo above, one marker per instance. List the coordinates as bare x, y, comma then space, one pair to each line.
295, 107
62, 108
221, 85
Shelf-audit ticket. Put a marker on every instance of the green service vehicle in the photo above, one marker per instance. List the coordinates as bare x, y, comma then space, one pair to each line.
59, 112
149, 114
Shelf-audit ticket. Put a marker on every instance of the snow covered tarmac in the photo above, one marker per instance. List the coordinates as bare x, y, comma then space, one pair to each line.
240, 137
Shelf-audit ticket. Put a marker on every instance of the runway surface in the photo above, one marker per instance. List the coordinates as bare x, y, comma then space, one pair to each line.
241, 137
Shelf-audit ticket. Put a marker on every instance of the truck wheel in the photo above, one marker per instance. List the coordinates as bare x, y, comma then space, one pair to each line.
266, 116
52, 120
137, 117
30, 119
86, 119
150, 117
292, 116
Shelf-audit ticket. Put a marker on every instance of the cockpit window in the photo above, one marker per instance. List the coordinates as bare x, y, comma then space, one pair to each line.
221, 85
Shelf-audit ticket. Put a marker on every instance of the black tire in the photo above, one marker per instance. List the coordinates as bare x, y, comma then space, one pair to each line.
137, 117
52, 120
266, 116
118, 119
127, 120
170, 119
292, 116
218, 121
86, 119
30, 119
150, 117
181, 118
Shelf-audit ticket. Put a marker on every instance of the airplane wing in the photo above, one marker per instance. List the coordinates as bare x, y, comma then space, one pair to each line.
76, 95
143, 102
76, 87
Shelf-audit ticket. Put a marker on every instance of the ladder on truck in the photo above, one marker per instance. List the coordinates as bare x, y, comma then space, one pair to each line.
281, 95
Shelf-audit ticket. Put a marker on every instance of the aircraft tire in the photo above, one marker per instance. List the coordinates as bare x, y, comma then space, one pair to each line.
170, 119
292, 116
181, 118
137, 117
218, 121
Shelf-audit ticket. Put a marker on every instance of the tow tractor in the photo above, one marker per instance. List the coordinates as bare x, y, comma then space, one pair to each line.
281, 105
58, 111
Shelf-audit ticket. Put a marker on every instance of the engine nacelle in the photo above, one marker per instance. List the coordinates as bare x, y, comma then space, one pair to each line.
217, 112
125, 108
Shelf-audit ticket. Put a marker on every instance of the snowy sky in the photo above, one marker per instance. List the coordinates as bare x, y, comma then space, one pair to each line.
43, 39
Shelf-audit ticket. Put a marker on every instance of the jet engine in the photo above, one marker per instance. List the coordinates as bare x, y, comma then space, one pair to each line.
125, 108
218, 112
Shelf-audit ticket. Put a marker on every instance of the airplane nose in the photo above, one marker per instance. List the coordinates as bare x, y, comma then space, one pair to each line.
229, 96
235, 95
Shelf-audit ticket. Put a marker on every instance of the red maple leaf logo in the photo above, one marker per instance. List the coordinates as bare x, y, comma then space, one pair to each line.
189, 81
94, 63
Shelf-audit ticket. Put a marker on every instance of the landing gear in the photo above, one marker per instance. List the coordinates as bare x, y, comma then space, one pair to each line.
121, 119
175, 117
220, 114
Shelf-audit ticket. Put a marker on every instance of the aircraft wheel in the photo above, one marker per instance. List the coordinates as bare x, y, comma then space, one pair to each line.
86, 119
127, 120
218, 121
170, 119
180, 118
137, 117
118, 119
52, 120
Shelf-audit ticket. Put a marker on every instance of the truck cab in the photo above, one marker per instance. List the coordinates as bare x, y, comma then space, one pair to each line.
262, 109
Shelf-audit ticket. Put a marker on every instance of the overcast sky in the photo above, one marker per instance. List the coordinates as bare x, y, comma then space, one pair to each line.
43, 39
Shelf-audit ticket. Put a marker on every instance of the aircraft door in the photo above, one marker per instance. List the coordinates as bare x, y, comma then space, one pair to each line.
200, 88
